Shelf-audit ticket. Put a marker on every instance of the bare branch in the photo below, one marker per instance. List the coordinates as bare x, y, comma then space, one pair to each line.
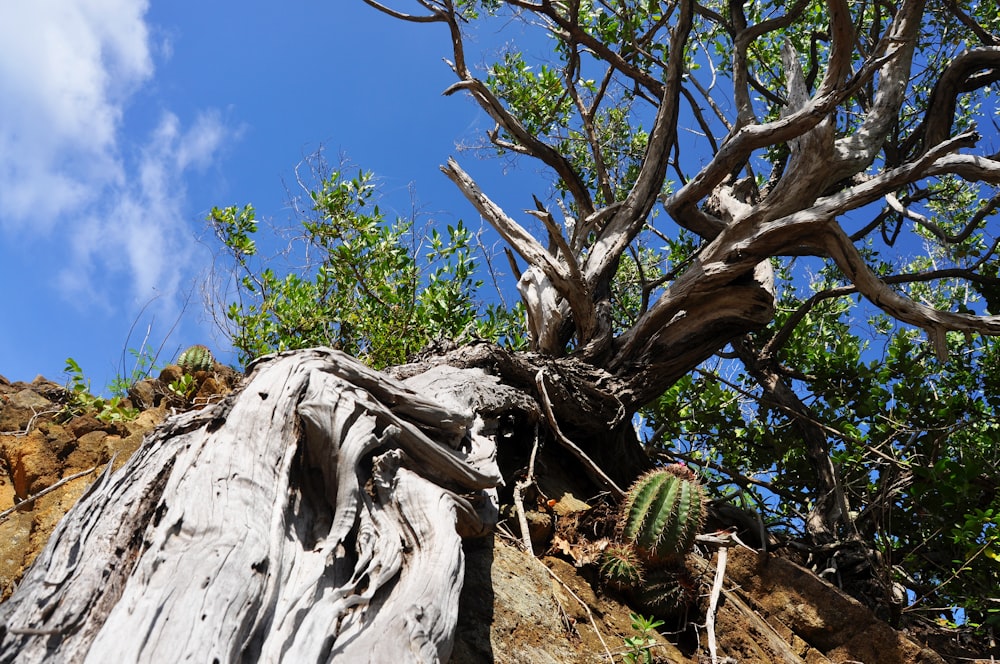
436, 17
629, 219
855, 152
956, 79
493, 106
566, 279
748, 138
900, 307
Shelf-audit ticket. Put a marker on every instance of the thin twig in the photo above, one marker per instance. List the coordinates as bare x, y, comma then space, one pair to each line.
31, 499
713, 603
590, 615
592, 468
519, 487
31, 423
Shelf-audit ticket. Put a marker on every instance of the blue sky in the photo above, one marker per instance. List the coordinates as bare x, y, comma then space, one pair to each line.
123, 122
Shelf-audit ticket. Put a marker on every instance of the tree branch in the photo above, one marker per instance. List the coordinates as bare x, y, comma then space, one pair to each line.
739, 144
955, 80
437, 15
630, 217
855, 152
566, 279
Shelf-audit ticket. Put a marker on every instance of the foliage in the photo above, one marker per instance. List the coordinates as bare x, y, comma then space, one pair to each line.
833, 396
82, 401
641, 641
183, 386
776, 227
912, 438
145, 364
366, 285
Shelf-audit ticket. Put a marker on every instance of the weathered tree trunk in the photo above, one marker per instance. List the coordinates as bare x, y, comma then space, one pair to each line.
316, 515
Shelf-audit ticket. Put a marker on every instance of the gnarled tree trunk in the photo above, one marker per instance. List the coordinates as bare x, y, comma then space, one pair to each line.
315, 515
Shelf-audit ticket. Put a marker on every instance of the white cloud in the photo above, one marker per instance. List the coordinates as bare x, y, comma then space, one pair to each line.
68, 69
140, 231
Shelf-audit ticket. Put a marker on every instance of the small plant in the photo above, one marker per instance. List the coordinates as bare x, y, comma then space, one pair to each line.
184, 386
145, 363
641, 641
82, 401
196, 358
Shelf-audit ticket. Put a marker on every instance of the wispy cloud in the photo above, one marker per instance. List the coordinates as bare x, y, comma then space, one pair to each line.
138, 231
68, 69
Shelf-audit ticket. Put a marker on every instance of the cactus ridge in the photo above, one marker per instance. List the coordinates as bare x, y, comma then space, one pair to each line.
665, 592
637, 504
621, 566
196, 358
663, 513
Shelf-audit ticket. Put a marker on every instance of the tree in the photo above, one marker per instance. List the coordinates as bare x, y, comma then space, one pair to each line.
702, 157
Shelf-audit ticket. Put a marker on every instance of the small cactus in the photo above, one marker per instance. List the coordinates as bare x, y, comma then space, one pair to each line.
196, 358
621, 566
666, 591
663, 512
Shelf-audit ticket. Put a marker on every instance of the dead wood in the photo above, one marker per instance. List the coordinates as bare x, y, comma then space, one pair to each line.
315, 515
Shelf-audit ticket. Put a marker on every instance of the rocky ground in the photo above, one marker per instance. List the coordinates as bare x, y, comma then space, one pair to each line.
517, 608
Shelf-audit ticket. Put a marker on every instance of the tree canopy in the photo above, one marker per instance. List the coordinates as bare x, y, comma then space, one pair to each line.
772, 226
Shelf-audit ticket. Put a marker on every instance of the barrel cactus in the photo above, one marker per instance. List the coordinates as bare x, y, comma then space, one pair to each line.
666, 591
196, 358
621, 566
663, 512
659, 519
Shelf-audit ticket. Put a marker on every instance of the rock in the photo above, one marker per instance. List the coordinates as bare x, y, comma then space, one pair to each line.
90, 451
32, 464
170, 374
31, 461
143, 394
815, 618
61, 440
15, 538
512, 611
84, 424
21, 408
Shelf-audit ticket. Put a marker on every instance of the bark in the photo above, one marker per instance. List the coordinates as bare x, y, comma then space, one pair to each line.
316, 515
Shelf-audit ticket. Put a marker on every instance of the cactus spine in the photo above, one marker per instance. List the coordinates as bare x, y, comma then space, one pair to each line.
663, 512
666, 591
196, 358
621, 566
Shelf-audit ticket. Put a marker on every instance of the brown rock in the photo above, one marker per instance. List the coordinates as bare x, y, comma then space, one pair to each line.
32, 463
23, 408
15, 539
90, 451
61, 440
171, 373
815, 617
84, 424
210, 387
144, 394
49, 452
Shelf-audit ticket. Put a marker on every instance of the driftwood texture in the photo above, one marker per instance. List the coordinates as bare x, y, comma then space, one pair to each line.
314, 516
